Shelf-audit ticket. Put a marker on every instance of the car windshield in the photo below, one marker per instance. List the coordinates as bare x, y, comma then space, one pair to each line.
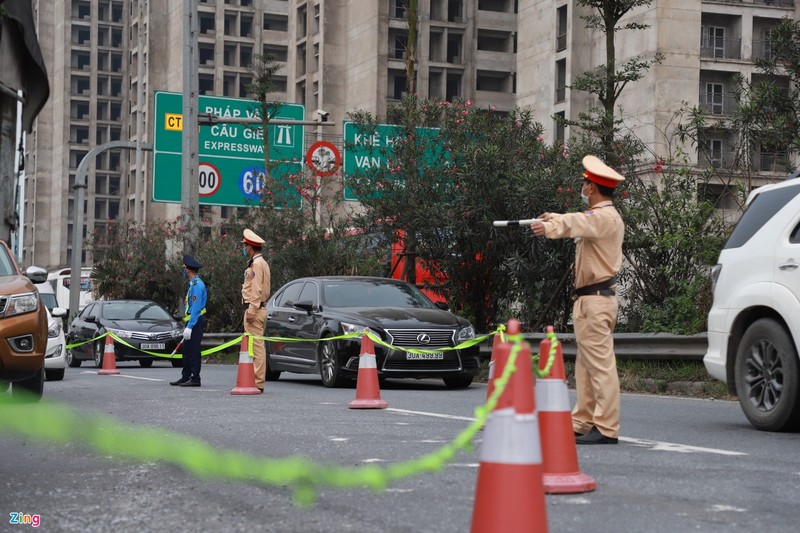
6, 265
366, 293
49, 300
134, 311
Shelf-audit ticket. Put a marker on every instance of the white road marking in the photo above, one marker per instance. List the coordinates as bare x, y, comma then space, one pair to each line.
644, 443
724, 508
465, 465
659, 446
376, 460
400, 490
577, 500
425, 413
338, 439
124, 376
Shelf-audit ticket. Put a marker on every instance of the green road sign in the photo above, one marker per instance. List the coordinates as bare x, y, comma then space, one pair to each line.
368, 149
231, 156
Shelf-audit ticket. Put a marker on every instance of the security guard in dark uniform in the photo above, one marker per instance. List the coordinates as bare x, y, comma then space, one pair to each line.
598, 232
195, 311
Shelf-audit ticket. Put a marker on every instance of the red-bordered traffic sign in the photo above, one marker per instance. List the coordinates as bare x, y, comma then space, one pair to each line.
323, 158
209, 179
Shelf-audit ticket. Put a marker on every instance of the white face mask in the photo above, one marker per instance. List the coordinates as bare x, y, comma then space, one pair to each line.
584, 197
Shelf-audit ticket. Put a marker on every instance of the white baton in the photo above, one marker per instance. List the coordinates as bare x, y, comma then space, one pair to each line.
509, 223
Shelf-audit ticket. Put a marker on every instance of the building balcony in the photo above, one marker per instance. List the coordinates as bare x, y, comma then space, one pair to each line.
776, 3
721, 49
717, 104
772, 162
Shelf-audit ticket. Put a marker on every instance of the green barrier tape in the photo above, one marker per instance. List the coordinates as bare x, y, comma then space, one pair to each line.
356, 335
60, 424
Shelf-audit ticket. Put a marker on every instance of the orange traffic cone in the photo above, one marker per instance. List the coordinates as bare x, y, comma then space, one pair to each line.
562, 475
509, 495
109, 358
368, 392
490, 381
246, 375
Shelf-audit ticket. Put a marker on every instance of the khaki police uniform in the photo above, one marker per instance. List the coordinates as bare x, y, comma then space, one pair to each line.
255, 293
598, 233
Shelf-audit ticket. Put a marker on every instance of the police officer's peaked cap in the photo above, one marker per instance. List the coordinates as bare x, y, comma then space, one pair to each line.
600, 173
191, 263
252, 239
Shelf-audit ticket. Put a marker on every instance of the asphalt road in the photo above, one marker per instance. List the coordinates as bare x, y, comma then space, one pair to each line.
681, 465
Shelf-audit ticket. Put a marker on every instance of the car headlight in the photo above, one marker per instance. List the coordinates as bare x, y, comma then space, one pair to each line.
121, 333
466, 334
353, 328
53, 329
22, 303
175, 333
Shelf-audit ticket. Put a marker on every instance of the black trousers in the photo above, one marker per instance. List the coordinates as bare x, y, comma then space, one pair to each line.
191, 351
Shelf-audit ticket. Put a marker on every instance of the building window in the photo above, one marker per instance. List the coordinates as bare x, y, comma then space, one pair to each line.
206, 84
561, 80
558, 127
561, 28
276, 22
452, 87
207, 24
398, 46
454, 49
280, 53
713, 99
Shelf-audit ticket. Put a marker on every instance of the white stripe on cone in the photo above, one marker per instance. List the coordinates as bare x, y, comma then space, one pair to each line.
511, 438
552, 396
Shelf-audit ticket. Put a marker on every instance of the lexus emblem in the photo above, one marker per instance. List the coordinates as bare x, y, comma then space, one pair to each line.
423, 338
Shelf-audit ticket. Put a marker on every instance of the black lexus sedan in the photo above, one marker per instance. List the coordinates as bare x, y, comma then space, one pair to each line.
142, 324
321, 307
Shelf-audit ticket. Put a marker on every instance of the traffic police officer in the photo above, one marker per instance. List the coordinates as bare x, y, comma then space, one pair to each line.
195, 318
598, 233
255, 293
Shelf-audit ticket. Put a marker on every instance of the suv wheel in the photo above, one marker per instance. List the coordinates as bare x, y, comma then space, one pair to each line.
459, 381
30, 389
767, 377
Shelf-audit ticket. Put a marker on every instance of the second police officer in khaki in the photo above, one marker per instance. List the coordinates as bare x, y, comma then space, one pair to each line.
255, 293
598, 232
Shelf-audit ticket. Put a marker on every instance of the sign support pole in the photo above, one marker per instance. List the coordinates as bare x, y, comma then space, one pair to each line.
190, 197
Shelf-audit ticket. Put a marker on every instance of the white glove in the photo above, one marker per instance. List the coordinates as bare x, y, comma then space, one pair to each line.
187, 334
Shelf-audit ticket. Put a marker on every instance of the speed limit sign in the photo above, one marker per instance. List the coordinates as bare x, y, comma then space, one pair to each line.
209, 179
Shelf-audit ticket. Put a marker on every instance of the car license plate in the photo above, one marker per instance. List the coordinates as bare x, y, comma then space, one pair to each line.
417, 356
153, 346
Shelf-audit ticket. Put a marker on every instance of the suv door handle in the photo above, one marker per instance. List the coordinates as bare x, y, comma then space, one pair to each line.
788, 266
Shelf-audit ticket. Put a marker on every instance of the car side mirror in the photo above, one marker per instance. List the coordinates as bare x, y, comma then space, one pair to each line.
92, 319
36, 274
304, 305
59, 312
443, 306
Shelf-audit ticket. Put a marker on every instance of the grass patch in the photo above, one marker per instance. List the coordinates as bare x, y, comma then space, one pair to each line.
222, 358
674, 378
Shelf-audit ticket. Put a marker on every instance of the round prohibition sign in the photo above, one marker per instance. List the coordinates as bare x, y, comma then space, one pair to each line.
208, 179
323, 158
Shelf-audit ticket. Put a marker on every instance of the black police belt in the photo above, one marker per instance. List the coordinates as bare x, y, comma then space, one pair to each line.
602, 288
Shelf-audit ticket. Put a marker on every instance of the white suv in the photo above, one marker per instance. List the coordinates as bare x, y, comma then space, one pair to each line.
754, 323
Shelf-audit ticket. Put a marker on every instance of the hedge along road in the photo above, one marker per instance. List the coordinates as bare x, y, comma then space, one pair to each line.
679, 465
